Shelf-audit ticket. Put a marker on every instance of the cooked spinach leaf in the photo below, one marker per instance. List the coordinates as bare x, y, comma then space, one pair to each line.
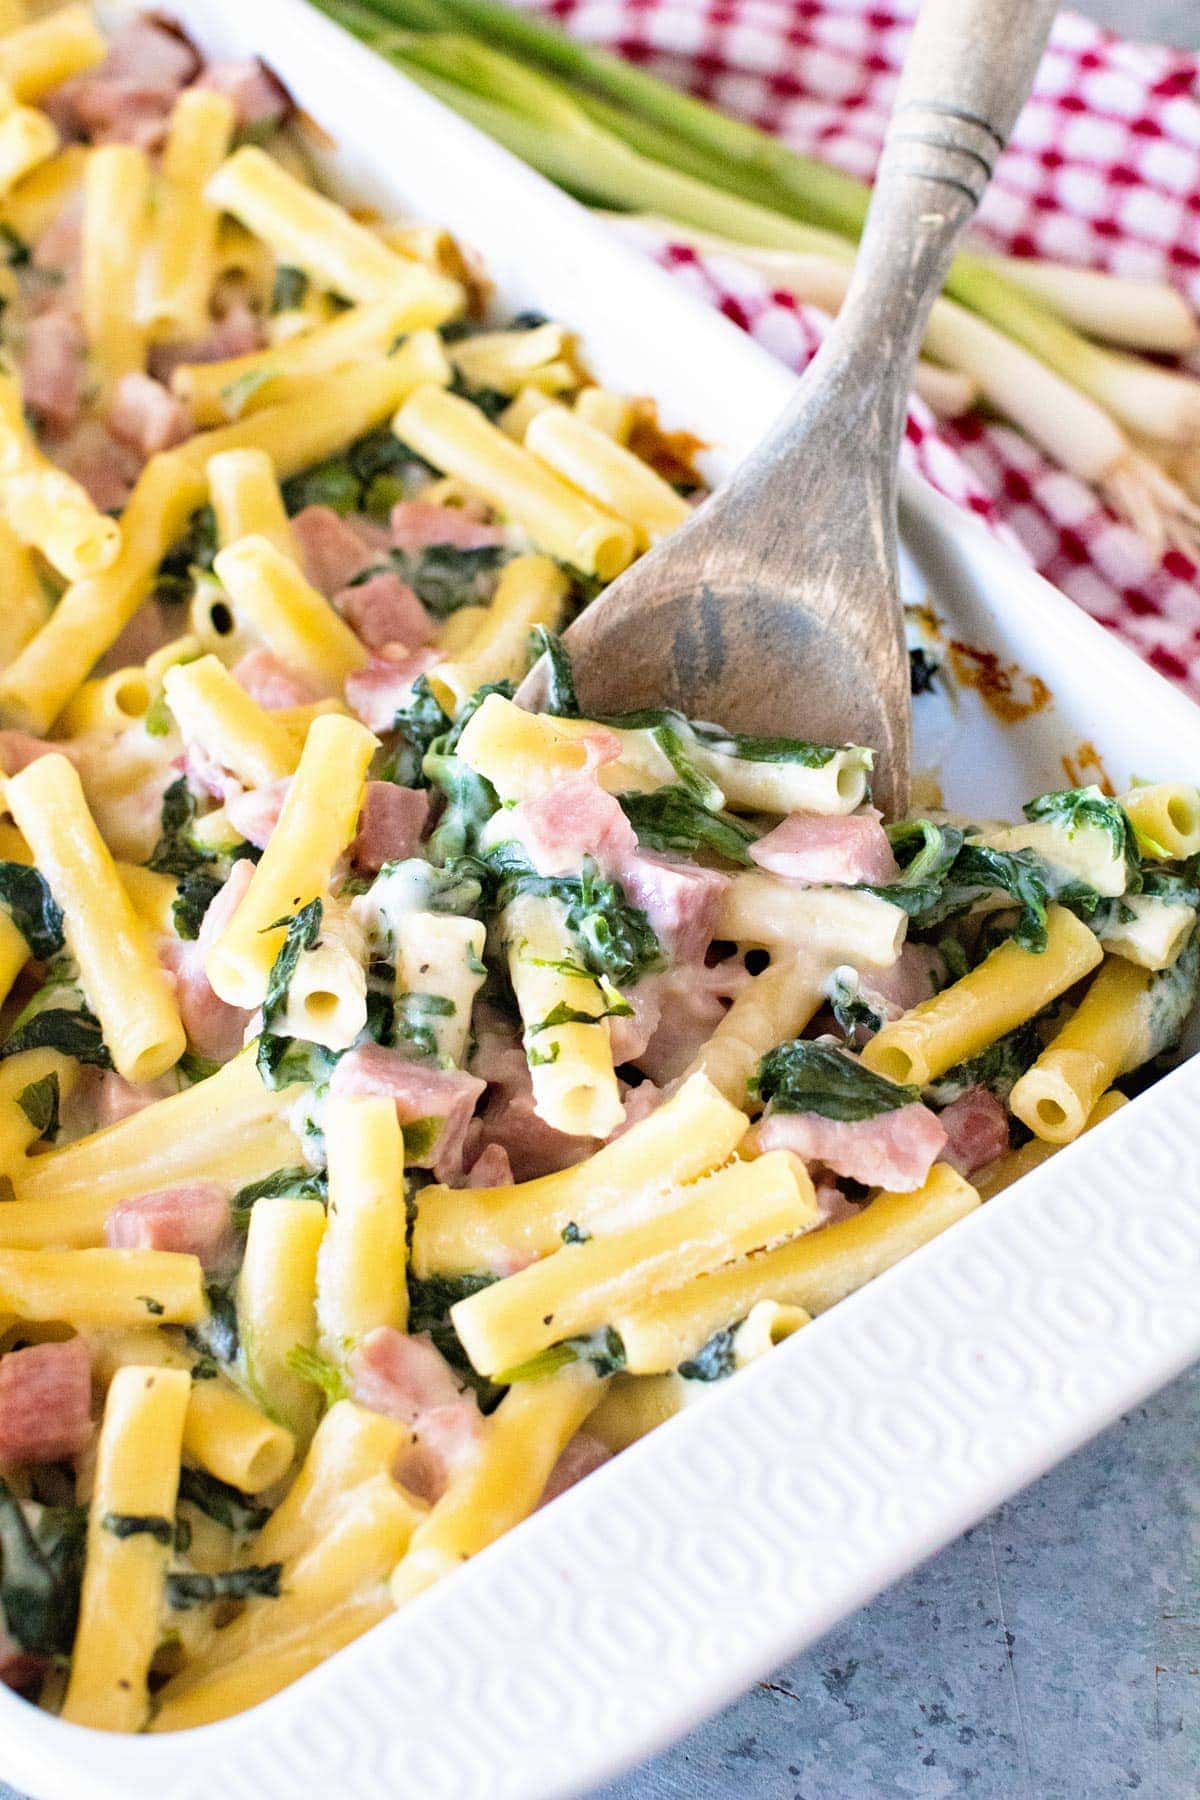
303, 931
670, 818
998, 1068
923, 672
290, 1184
420, 722
127, 1525
714, 1360
445, 577
73, 1032
195, 895
561, 698
217, 1335
847, 1004
429, 1304
805, 1076
255, 1581
39, 1103
175, 853
290, 289
217, 1500
25, 896
41, 1567
1075, 808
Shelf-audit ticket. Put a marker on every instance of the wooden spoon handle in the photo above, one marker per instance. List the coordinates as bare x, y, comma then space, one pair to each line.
969, 68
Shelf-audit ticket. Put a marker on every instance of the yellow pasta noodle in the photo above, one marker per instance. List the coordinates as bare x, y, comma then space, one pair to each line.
1102, 1039
1009, 986
95, 610
460, 1230
613, 414
48, 51
182, 249
840, 924
317, 823
1166, 817
361, 1276
27, 139
531, 591
215, 712
43, 505
502, 1484
276, 1303
775, 1006
246, 499
1014, 1163
293, 619
309, 232
17, 1129
130, 1528
113, 1288
119, 970
455, 437
813, 1272
36, 201
583, 1286
440, 955
26, 602
219, 391
116, 190
611, 474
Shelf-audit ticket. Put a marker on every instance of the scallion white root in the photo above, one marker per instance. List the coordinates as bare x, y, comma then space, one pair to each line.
1117, 309
1073, 430
948, 393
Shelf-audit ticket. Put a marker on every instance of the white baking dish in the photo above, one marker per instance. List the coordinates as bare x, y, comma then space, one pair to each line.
740, 1531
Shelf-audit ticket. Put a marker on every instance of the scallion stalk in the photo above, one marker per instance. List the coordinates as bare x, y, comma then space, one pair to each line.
1123, 310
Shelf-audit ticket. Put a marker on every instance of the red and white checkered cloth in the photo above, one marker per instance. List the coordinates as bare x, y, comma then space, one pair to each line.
1103, 170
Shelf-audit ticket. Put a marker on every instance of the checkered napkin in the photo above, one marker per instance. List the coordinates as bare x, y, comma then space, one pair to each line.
1103, 170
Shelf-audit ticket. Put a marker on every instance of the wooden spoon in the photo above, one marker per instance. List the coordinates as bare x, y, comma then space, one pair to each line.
776, 608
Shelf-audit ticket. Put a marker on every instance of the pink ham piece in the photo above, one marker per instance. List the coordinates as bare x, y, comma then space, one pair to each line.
509, 1121
420, 1092
384, 610
192, 1220
259, 100
391, 824
333, 550
692, 1001
976, 1127
419, 524
214, 1028
238, 332
52, 368
681, 901
129, 97
406, 1378
118, 1099
19, 748
270, 682
894, 1150
99, 463
254, 814
639, 1103
376, 692
58, 253
917, 974
147, 416
582, 1456
45, 1402
631, 1033
813, 848
491, 1168
573, 819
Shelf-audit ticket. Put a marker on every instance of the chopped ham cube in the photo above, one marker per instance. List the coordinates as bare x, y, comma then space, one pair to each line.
119, 1099
99, 463
630, 1033
259, 99
254, 814
916, 975
384, 610
270, 682
192, 1220
376, 692
408, 1379
45, 1402
894, 1150
976, 1127
239, 332
509, 1121
814, 848
147, 416
420, 1093
128, 99
681, 901
639, 1103
52, 368
391, 824
214, 1028
491, 1168
692, 1001
19, 748
581, 1456
59, 253
571, 820
419, 524
332, 549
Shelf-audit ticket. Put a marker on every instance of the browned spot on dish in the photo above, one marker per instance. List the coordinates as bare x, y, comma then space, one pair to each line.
1007, 690
671, 454
929, 621
1084, 766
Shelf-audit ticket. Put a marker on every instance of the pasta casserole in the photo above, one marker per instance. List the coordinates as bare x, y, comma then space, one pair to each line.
407, 1099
